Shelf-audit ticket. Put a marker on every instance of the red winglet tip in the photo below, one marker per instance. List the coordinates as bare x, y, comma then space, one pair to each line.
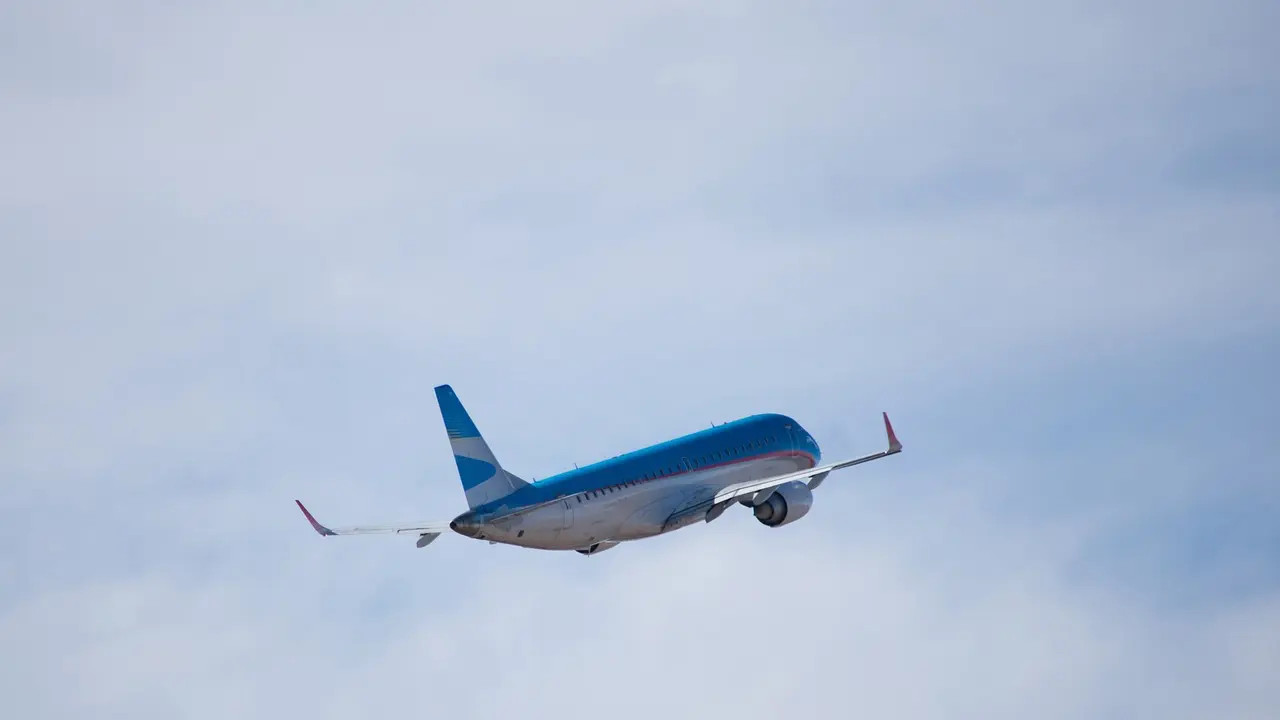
893, 439
311, 519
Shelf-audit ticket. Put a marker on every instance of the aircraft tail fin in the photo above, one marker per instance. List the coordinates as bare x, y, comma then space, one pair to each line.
483, 479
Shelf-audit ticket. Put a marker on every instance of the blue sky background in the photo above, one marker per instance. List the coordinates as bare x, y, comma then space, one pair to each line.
240, 244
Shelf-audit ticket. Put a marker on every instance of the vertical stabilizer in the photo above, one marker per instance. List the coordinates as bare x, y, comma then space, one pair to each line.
483, 479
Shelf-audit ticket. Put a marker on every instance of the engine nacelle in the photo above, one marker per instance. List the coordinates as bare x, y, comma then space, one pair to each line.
597, 548
790, 502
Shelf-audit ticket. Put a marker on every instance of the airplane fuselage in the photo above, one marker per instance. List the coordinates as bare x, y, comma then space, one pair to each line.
768, 463
633, 496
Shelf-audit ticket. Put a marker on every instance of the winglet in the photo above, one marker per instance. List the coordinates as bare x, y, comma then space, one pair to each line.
894, 445
311, 519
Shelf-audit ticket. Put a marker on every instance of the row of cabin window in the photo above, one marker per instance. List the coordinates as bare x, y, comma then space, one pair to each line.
663, 472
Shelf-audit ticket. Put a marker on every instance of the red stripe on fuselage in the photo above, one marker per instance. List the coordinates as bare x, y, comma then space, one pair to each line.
778, 453
736, 461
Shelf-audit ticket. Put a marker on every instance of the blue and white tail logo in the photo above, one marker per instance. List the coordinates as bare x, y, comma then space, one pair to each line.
483, 479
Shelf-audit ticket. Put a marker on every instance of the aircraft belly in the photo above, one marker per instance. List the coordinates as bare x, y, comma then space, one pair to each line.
647, 520
600, 520
650, 518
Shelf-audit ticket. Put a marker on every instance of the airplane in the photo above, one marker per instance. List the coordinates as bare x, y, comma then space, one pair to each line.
767, 462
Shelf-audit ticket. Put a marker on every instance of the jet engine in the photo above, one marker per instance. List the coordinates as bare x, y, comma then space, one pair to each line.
790, 502
597, 548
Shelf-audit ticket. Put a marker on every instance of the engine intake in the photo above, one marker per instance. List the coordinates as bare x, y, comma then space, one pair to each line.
790, 502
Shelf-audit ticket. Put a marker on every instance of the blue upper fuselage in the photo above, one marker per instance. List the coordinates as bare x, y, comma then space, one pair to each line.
750, 438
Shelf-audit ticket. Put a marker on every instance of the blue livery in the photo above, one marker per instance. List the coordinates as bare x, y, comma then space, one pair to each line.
768, 463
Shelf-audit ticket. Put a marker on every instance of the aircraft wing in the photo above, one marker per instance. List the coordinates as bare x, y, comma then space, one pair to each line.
740, 490
427, 531
759, 490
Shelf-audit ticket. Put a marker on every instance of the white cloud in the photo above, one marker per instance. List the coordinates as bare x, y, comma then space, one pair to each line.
731, 618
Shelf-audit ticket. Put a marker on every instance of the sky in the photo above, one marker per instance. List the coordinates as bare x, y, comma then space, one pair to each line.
240, 243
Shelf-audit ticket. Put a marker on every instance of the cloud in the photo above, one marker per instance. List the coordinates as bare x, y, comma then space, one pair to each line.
242, 244
946, 614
